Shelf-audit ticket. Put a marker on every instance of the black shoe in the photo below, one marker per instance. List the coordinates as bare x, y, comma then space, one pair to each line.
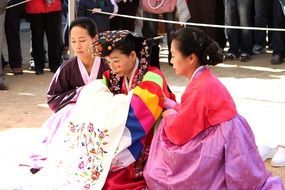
276, 59
39, 72
230, 57
244, 57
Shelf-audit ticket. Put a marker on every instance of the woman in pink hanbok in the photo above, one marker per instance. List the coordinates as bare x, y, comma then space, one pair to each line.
203, 143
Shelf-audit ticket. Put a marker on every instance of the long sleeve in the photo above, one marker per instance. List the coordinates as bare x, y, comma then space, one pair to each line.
59, 93
188, 120
146, 108
64, 85
150, 95
205, 103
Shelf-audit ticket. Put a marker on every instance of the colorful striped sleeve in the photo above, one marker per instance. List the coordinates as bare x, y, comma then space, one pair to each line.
145, 109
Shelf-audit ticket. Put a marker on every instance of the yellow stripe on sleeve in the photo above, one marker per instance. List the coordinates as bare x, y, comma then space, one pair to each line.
151, 100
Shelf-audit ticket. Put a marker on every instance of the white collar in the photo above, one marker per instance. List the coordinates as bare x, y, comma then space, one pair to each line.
196, 71
129, 83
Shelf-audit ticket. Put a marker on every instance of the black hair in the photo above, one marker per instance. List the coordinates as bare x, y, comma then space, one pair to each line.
192, 40
85, 23
129, 44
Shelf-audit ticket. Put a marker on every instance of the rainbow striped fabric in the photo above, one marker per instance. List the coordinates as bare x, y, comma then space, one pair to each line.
145, 109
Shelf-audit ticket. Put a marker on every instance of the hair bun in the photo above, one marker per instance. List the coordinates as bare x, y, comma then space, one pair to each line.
212, 54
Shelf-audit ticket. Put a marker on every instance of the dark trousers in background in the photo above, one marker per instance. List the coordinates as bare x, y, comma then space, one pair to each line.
2, 20
220, 19
66, 27
262, 8
278, 38
49, 24
150, 30
270, 24
239, 13
127, 8
209, 12
12, 31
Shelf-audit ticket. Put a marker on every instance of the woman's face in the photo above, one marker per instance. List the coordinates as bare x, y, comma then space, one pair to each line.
121, 64
181, 64
81, 42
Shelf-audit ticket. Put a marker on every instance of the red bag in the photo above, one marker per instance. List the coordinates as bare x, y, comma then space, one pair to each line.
158, 6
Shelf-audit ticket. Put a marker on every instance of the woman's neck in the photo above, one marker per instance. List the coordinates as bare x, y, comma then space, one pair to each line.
135, 66
197, 70
129, 77
189, 76
88, 63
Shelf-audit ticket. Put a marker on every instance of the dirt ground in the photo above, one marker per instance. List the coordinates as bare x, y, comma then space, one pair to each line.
257, 87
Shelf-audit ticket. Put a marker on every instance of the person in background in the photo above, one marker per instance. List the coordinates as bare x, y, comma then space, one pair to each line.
92, 9
125, 7
150, 30
274, 147
209, 12
3, 5
32, 61
46, 18
261, 19
12, 31
239, 13
203, 143
65, 55
278, 38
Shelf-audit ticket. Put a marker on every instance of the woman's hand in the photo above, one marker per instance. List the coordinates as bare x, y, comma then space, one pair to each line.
169, 103
168, 112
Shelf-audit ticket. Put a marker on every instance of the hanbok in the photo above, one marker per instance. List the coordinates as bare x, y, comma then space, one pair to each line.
81, 152
62, 96
205, 144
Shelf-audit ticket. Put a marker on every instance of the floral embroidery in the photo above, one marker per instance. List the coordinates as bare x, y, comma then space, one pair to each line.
86, 187
140, 163
117, 165
90, 142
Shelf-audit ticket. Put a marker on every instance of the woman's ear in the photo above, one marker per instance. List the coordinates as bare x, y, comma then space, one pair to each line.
133, 55
192, 58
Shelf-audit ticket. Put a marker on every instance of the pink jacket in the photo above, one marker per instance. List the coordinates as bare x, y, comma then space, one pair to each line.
41, 6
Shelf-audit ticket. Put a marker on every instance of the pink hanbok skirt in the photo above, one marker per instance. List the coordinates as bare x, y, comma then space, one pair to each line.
224, 156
